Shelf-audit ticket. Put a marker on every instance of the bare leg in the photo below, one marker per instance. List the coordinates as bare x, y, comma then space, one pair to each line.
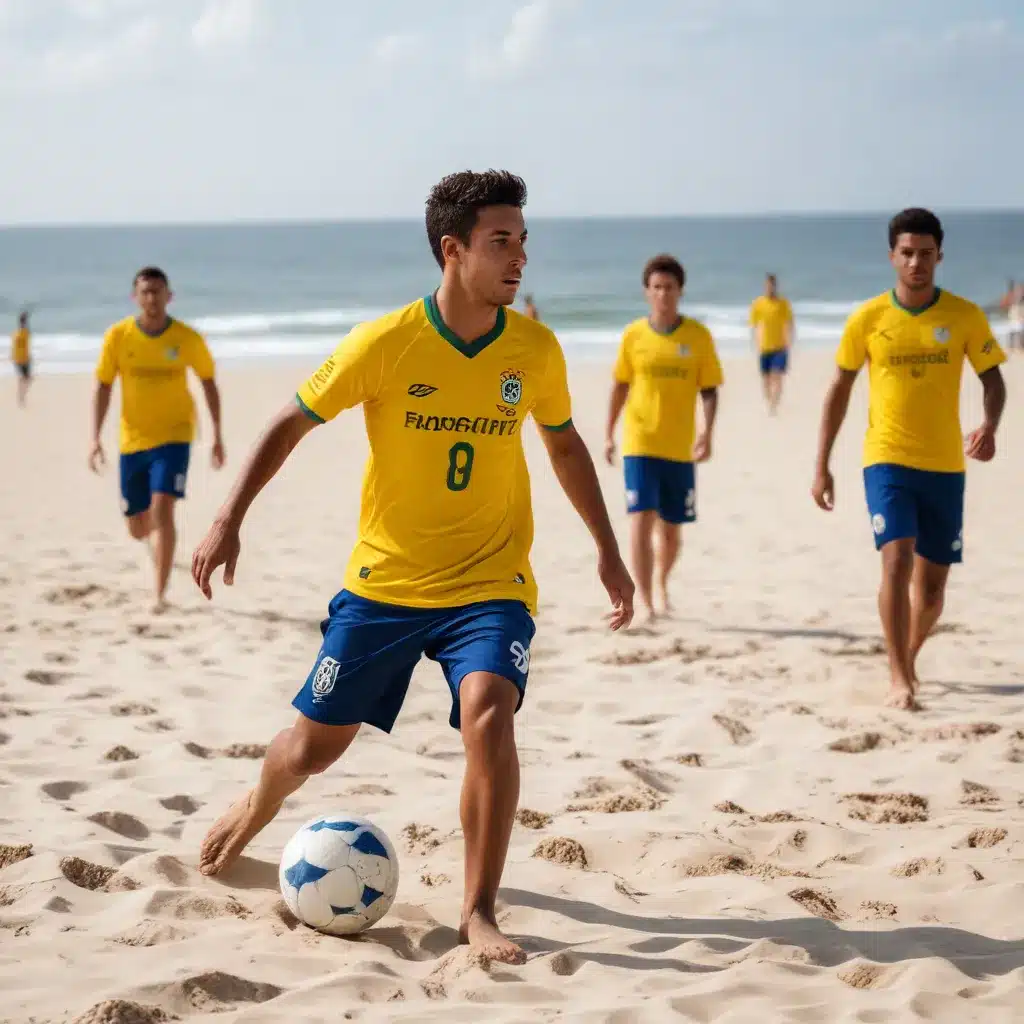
490, 793
139, 525
165, 537
670, 537
776, 383
23, 385
894, 610
927, 597
641, 529
307, 748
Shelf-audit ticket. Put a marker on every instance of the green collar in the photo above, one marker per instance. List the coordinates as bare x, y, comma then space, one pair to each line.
916, 309
667, 334
159, 334
467, 348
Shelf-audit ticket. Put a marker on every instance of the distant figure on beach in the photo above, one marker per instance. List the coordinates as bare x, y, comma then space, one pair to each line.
530, 308
771, 318
21, 357
914, 339
151, 352
665, 361
441, 566
1013, 304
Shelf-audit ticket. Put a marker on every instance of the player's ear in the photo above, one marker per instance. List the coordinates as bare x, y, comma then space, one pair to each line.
938, 259
450, 248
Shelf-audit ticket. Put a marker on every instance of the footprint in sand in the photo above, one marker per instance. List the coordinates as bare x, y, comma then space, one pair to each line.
198, 750
182, 804
863, 975
123, 824
970, 731
920, 866
738, 864
14, 854
63, 790
821, 904
728, 807
195, 908
120, 753
886, 808
146, 934
690, 760
739, 733
86, 875
974, 794
649, 776
877, 910
621, 803
132, 709
246, 751
861, 743
47, 677
214, 992
985, 838
420, 839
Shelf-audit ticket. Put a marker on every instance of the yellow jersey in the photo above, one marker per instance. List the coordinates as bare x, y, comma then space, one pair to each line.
916, 359
664, 372
771, 318
446, 517
156, 405
20, 346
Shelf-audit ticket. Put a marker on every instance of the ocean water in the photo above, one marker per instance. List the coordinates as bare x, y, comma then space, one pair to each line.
292, 290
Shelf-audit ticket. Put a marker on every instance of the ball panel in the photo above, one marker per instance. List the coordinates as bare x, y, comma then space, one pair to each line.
341, 889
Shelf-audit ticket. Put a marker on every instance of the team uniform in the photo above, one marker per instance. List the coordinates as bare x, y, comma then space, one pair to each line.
913, 451
441, 566
20, 354
665, 373
157, 411
772, 316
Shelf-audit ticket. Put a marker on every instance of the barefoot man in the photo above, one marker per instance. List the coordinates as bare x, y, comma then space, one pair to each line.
914, 340
151, 353
771, 318
21, 357
665, 360
441, 566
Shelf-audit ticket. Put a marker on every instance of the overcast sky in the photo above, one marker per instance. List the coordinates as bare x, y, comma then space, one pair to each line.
193, 110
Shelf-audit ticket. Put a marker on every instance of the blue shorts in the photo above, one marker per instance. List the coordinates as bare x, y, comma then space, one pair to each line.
775, 362
927, 506
661, 485
161, 470
369, 650
24, 370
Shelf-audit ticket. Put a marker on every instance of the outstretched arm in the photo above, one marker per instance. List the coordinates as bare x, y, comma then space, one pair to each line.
576, 474
221, 544
837, 401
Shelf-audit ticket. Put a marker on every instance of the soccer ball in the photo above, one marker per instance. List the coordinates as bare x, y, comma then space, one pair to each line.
339, 874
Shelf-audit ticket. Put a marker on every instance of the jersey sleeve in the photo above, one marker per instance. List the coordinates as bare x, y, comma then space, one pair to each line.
755, 313
709, 373
348, 377
853, 347
108, 365
623, 370
553, 408
200, 357
983, 350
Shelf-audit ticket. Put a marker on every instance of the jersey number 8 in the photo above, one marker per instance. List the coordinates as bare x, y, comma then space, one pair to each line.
460, 466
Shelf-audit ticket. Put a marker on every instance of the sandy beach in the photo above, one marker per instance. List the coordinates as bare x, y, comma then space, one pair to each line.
719, 821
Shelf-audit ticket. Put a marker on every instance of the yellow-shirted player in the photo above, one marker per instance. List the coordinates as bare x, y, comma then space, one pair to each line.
915, 340
150, 354
665, 362
771, 317
21, 357
441, 566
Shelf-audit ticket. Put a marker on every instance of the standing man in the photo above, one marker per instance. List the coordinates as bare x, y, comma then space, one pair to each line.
915, 339
771, 318
150, 352
665, 360
530, 308
441, 566
21, 357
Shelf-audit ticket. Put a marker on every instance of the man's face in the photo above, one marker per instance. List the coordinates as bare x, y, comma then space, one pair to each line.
491, 266
663, 294
770, 287
152, 297
915, 258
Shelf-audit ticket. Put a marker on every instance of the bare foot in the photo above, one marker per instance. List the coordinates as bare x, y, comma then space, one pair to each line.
160, 605
901, 697
229, 836
666, 604
483, 936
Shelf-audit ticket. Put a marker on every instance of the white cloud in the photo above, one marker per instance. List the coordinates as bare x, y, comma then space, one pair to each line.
522, 44
395, 48
224, 23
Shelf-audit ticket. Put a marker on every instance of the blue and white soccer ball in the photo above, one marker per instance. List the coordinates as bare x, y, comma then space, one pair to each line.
339, 874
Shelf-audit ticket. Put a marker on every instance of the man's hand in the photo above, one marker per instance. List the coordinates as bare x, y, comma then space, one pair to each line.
619, 584
96, 457
980, 444
702, 448
217, 456
609, 452
220, 546
823, 490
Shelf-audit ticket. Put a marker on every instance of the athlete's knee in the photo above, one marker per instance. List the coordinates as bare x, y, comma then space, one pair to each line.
932, 591
487, 706
139, 525
162, 511
313, 748
898, 560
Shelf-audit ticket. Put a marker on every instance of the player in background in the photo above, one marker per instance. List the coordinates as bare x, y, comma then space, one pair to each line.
150, 353
914, 339
530, 308
441, 565
665, 362
21, 357
771, 318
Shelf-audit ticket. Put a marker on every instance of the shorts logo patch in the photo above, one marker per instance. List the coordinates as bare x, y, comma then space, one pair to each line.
511, 387
520, 657
690, 500
959, 542
325, 678
632, 497
941, 335
684, 348
878, 524
179, 483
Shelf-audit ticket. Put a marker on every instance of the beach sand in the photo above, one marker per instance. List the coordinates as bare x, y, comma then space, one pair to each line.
720, 822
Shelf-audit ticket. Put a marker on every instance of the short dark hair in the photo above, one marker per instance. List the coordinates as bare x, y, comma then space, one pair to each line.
455, 201
915, 221
664, 264
150, 274
23, 317
772, 278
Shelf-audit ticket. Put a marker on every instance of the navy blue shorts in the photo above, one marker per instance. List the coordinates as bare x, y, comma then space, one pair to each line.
661, 485
775, 362
927, 506
161, 470
369, 650
23, 370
